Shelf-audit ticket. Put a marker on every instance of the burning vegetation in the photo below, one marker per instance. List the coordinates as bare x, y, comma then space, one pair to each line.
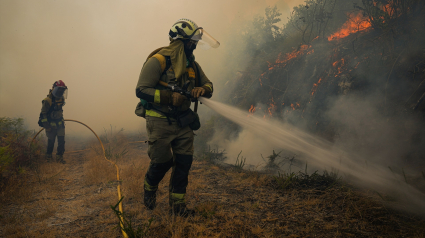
351, 72
332, 48
356, 23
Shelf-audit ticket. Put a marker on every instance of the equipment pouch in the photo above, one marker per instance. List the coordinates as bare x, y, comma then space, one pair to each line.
189, 118
140, 110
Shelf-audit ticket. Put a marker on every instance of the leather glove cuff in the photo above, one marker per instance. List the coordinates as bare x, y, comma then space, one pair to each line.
165, 97
208, 91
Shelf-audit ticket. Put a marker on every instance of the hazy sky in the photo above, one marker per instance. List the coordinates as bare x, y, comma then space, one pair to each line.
97, 47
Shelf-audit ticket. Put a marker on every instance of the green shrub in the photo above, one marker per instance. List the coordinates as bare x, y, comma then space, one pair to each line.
15, 150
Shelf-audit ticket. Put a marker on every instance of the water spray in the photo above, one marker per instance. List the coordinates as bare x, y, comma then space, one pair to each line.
110, 161
322, 154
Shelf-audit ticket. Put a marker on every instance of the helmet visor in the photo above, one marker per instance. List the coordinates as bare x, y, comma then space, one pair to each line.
59, 92
205, 40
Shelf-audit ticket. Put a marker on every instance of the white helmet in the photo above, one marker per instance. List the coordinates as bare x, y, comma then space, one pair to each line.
187, 29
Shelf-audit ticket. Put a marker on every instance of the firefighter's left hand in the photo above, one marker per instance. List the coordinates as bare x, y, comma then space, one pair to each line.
197, 92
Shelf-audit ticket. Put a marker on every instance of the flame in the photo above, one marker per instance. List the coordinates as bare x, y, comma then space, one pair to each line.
288, 56
272, 107
358, 63
252, 109
295, 106
354, 24
388, 8
314, 89
339, 64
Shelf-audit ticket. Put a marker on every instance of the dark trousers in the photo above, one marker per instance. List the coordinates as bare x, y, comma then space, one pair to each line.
179, 176
51, 145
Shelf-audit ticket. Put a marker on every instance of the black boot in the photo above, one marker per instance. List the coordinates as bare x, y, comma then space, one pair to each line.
149, 197
182, 210
48, 157
59, 159
178, 184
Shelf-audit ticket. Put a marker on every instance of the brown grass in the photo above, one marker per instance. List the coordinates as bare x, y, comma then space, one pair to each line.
73, 200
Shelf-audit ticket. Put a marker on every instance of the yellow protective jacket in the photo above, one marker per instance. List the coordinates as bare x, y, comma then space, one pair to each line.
51, 110
149, 89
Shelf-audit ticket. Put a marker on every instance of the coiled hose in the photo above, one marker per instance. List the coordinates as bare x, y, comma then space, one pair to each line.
110, 161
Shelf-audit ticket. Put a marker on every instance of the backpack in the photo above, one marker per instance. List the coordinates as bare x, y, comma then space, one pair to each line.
165, 63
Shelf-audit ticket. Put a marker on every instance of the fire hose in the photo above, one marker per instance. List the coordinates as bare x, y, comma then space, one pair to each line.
110, 161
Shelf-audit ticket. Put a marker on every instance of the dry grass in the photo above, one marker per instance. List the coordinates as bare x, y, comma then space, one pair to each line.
73, 200
97, 170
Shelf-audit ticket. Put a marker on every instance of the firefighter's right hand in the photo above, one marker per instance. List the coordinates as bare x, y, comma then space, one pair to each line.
178, 99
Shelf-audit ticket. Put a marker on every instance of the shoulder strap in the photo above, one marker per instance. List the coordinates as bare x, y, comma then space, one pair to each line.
154, 53
48, 100
162, 61
197, 75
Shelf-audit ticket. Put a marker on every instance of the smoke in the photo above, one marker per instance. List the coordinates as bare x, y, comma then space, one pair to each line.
97, 48
319, 153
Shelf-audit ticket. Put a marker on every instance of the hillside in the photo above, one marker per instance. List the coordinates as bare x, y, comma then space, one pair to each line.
73, 200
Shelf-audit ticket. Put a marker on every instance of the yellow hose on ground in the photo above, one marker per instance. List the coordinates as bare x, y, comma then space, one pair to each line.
110, 161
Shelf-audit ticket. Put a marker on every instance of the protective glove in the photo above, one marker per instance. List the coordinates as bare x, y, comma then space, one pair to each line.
197, 92
178, 99
53, 125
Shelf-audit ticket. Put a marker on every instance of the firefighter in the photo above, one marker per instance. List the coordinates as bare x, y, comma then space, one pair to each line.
51, 119
169, 120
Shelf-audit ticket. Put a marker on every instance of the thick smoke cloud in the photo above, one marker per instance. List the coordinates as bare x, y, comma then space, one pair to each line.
97, 48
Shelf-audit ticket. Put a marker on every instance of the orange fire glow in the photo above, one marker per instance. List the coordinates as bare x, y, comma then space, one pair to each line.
314, 89
288, 56
252, 109
356, 22
388, 8
294, 106
339, 64
272, 107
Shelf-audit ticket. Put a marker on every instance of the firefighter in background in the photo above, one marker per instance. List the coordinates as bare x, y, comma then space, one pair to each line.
51, 118
169, 120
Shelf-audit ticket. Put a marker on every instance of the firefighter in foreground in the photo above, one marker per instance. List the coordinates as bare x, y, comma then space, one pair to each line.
51, 118
169, 80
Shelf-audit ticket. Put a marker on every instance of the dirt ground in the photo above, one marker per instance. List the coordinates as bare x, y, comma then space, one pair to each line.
73, 200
